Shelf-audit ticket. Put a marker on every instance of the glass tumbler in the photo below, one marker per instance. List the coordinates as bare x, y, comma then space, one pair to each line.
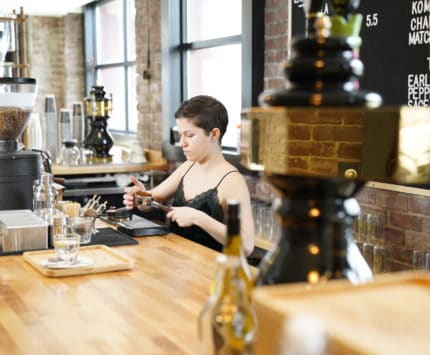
419, 260
82, 226
66, 247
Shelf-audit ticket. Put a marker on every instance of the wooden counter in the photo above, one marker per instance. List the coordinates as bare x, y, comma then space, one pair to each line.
151, 309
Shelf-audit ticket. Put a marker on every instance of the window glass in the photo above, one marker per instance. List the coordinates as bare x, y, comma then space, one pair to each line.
131, 37
217, 72
109, 32
132, 99
208, 19
113, 24
113, 81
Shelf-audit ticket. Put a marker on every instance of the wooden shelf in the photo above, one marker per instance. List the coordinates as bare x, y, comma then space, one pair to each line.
155, 162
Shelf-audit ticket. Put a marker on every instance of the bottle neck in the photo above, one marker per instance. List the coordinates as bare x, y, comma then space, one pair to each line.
228, 275
233, 245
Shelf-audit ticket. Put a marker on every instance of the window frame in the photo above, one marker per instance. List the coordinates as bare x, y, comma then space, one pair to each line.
174, 56
91, 66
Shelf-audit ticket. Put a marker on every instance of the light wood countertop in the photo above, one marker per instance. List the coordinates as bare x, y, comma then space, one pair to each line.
151, 309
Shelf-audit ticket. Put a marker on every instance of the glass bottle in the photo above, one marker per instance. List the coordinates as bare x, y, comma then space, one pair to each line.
70, 153
233, 246
227, 321
44, 194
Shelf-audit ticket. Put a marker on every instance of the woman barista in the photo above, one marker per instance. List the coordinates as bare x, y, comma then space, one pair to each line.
202, 185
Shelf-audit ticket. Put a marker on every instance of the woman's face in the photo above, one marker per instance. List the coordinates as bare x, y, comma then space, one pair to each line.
194, 140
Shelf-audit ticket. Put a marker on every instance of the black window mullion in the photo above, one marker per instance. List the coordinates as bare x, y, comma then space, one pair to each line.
182, 51
125, 67
211, 43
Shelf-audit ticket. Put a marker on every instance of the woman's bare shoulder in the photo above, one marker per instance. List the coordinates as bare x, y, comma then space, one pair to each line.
234, 182
234, 173
181, 169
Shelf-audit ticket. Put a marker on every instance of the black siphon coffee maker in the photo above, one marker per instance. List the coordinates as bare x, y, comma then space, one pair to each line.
99, 141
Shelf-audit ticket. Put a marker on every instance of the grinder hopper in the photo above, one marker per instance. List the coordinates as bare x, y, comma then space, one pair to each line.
17, 98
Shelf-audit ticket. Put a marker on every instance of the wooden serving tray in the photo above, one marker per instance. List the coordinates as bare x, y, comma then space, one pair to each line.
104, 259
390, 315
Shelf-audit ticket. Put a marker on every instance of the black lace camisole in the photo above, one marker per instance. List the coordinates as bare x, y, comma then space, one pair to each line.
207, 202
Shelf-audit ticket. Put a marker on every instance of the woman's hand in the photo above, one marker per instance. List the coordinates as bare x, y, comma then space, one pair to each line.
129, 197
184, 216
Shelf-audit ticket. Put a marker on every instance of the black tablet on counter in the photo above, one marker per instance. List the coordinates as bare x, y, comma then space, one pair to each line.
142, 227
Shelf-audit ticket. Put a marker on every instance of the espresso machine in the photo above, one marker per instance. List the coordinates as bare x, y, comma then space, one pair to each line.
318, 141
18, 167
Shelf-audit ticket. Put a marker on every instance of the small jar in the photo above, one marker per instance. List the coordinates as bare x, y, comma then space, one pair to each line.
70, 153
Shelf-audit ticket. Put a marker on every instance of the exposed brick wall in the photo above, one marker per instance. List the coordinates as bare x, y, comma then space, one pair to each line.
74, 61
405, 222
149, 130
56, 59
275, 41
46, 58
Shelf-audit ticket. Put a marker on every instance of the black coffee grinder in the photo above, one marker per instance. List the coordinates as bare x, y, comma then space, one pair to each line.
18, 167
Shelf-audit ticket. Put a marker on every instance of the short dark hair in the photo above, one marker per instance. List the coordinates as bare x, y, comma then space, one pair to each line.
205, 112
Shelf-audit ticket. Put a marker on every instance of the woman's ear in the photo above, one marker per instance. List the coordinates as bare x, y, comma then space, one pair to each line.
215, 135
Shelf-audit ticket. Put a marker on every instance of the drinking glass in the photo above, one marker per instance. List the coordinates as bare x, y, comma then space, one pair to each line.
428, 261
362, 225
66, 247
419, 260
259, 220
368, 254
372, 221
379, 257
83, 226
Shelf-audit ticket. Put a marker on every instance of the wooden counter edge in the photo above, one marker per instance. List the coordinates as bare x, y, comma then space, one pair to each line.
155, 162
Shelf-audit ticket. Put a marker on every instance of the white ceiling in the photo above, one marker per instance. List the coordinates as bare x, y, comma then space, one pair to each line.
42, 7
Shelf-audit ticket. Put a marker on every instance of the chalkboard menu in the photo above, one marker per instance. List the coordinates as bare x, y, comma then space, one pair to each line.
395, 49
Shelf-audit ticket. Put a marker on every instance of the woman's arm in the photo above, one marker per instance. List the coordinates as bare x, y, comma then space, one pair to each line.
188, 216
234, 187
161, 192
